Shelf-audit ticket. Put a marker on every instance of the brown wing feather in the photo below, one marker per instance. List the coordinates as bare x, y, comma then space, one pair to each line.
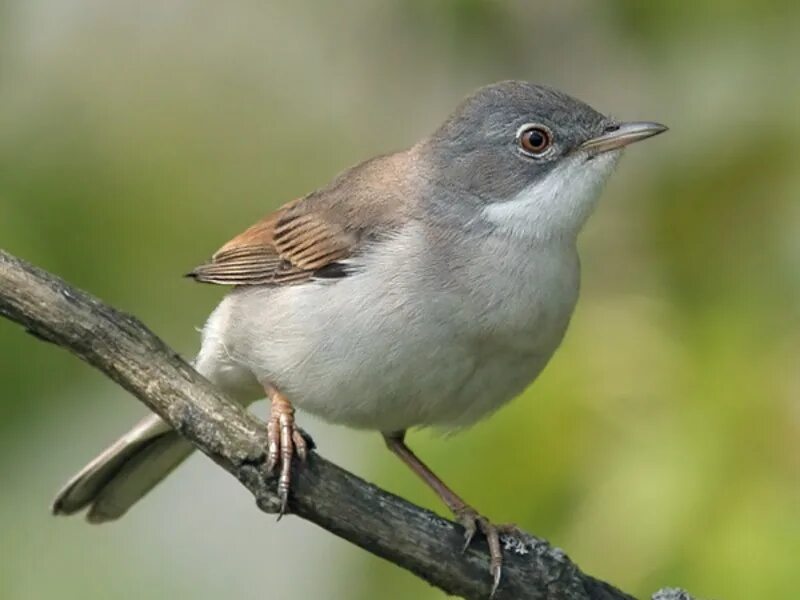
288, 246
310, 236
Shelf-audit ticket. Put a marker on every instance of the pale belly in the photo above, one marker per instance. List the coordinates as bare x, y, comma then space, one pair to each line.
384, 373
385, 351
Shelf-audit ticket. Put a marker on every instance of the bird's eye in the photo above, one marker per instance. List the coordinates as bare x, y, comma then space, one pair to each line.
534, 140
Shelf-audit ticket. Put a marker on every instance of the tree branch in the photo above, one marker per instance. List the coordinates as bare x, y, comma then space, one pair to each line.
323, 493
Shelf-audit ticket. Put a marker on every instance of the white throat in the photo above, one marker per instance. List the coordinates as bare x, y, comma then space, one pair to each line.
558, 205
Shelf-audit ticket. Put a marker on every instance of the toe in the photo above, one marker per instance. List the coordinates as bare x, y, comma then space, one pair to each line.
495, 552
511, 530
286, 454
273, 444
285, 480
300, 447
468, 519
310, 444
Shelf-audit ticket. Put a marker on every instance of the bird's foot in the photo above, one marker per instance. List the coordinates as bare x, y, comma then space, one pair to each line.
284, 441
472, 522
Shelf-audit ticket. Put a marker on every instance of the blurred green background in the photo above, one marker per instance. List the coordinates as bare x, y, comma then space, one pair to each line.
661, 446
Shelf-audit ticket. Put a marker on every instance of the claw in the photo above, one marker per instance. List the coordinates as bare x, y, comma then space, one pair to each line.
468, 535
498, 573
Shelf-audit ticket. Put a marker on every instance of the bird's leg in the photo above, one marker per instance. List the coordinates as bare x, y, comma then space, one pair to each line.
284, 440
467, 516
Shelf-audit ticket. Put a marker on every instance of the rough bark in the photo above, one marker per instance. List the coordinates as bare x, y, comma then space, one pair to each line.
411, 537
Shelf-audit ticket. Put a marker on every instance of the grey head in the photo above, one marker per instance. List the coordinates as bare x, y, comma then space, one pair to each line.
532, 158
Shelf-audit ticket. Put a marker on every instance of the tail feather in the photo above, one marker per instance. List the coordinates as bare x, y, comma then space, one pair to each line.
115, 480
127, 470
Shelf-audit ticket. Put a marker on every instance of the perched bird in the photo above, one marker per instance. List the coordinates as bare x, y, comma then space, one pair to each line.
422, 288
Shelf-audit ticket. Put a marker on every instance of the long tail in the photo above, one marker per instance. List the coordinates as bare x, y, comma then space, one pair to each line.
128, 469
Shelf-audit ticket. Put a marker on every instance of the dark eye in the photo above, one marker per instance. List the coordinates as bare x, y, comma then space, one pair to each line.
534, 139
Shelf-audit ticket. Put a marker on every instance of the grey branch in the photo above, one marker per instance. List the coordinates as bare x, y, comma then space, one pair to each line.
413, 538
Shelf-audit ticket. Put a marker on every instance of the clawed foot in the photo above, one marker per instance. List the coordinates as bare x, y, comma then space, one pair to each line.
465, 515
473, 522
284, 440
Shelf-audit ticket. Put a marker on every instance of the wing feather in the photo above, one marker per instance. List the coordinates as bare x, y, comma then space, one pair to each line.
312, 236
288, 246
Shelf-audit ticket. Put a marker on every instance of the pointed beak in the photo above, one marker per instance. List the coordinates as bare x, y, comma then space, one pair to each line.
621, 135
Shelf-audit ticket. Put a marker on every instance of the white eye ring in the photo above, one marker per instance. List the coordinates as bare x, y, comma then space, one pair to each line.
534, 140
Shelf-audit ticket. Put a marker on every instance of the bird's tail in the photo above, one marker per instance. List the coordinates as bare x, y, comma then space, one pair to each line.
128, 469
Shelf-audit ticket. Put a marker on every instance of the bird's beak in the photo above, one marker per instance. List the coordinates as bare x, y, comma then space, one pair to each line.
622, 135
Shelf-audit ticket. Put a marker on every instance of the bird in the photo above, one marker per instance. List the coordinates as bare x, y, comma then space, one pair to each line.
421, 288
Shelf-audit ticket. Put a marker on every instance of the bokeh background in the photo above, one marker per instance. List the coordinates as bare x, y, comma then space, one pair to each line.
661, 446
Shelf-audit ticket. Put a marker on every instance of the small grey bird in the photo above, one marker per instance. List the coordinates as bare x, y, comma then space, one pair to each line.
422, 288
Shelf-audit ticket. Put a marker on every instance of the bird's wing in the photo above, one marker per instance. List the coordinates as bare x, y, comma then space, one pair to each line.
291, 245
